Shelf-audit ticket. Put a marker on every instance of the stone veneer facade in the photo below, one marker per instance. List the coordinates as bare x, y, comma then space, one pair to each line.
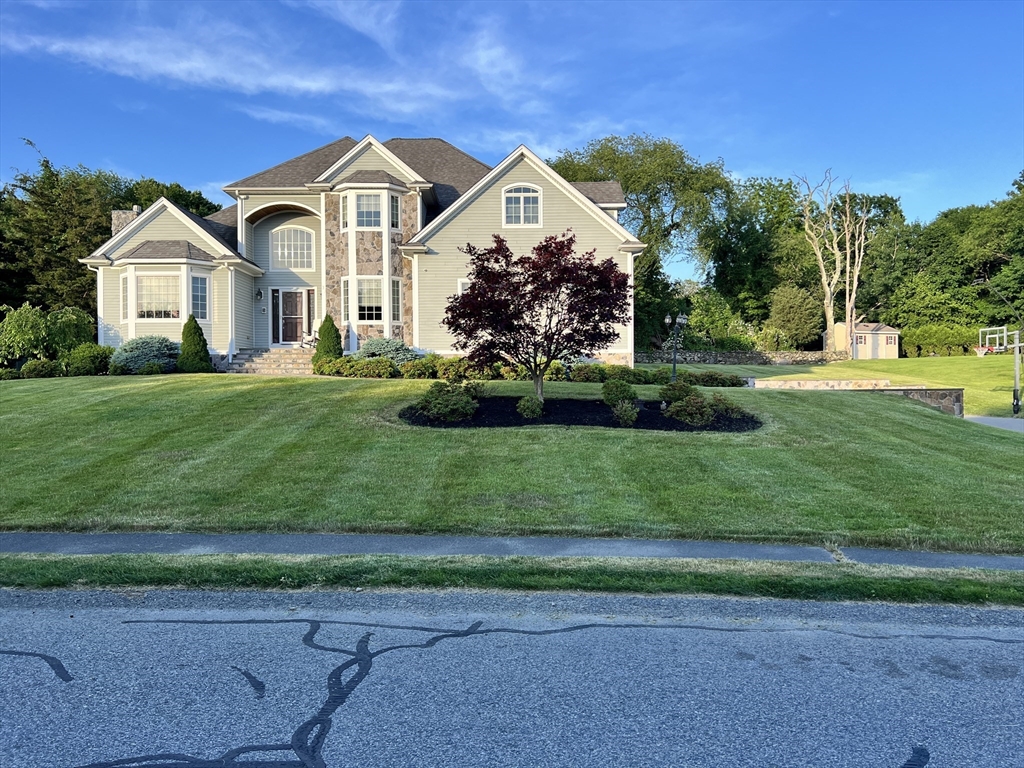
741, 358
369, 253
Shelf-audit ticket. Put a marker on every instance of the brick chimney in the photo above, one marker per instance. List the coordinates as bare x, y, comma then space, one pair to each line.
121, 219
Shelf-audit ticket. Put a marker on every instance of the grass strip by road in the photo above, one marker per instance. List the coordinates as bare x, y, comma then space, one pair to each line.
801, 581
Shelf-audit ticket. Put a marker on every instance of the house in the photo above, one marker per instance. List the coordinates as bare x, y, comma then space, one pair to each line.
368, 232
871, 341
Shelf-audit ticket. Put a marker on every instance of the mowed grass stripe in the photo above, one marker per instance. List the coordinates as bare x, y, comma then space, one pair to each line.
247, 453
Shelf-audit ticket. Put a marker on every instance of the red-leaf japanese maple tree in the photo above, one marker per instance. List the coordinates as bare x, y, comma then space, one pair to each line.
532, 310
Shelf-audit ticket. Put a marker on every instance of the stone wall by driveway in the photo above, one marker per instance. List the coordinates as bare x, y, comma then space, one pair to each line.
742, 358
949, 401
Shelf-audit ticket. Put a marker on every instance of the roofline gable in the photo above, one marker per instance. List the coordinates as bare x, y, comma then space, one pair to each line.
367, 142
522, 152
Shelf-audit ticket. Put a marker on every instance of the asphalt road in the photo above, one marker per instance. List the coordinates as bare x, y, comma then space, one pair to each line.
390, 678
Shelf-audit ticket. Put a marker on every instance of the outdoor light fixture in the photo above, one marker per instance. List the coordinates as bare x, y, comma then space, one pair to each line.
259, 294
675, 330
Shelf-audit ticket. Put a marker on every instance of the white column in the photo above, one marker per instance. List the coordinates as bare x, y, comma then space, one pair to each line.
99, 304
133, 305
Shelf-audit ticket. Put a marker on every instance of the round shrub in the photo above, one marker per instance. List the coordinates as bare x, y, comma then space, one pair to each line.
484, 372
40, 369
452, 368
615, 391
676, 391
659, 376
151, 368
393, 349
723, 406
556, 371
625, 413
328, 343
339, 366
195, 355
511, 372
135, 353
423, 368
447, 401
692, 409
626, 374
89, 360
530, 407
588, 372
372, 368
8, 374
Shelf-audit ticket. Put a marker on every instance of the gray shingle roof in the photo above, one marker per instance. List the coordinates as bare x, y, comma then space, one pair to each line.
167, 249
224, 224
299, 170
601, 192
372, 177
874, 328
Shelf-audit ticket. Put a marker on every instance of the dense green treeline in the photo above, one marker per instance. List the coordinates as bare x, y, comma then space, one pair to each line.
54, 216
762, 286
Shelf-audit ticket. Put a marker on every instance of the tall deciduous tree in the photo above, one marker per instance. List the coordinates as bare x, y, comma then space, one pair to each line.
670, 195
533, 310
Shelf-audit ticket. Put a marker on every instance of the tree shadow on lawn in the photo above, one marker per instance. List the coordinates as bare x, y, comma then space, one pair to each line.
501, 412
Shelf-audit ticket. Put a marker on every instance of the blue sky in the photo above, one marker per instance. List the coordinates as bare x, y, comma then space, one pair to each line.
921, 100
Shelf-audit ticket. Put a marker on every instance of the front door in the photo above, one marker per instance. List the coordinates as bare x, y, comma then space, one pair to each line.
288, 318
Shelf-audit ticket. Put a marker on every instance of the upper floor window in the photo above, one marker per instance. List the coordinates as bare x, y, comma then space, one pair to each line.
367, 210
522, 206
394, 212
344, 211
291, 248
158, 298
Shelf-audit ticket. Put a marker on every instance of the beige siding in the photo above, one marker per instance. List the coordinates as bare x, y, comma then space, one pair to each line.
218, 328
371, 160
169, 328
166, 226
244, 318
114, 331
311, 200
443, 265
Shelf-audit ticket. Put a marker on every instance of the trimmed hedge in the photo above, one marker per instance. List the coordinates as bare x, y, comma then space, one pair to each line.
89, 360
41, 369
359, 367
940, 340
615, 391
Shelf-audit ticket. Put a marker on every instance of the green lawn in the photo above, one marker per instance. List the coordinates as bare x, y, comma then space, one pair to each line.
987, 381
238, 453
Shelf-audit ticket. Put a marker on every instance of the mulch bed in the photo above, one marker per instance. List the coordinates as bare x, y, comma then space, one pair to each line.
501, 412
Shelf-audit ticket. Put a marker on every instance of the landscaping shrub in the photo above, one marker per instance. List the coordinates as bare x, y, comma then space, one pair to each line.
723, 406
151, 368
447, 401
556, 371
941, 340
372, 368
423, 368
89, 360
135, 353
530, 407
195, 355
588, 372
692, 409
625, 373
328, 344
711, 379
659, 376
511, 372
625, 413
484, 373
339, 366
40, 369
8, 374
452, 368
676, 391
393, 349
614, 391
28, 332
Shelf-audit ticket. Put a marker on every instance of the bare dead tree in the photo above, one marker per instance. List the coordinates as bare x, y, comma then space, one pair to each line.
824, 237
854, 225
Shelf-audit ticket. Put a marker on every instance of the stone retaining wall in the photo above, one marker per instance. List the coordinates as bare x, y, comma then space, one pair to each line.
823, 384
949, 401
742, 358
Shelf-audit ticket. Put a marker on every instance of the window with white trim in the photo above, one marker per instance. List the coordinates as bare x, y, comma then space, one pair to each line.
291, 248
158, 297
124, 298
344, 299
861, 339
370, 302
344, 211
890, 341
395, 224
396, 301
463, 286
522, 206
199, 295
367, 210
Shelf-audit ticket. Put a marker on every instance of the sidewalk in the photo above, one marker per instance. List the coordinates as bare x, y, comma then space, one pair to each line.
534, 546
1014, 425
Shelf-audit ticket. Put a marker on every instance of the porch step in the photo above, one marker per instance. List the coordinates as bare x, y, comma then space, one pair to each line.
281, 362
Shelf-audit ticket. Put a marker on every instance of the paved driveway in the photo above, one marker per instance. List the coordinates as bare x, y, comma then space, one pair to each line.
382, 679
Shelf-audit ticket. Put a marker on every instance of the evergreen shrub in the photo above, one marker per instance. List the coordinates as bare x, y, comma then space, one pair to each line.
393, 349
151, 368
423, 368
9, 374
723, 406
692, 409
556, 371
195, 355
447, 401
588, 372
452, 368
135, 353
625, 413
615, 391
89, 360
328, 344
41, 369
675, 391
530, 407
625, 373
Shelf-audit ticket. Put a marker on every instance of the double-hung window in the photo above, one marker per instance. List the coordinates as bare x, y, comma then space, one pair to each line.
199, 297
396, 301
522, 206
370, 301
291, 248
344, 211
158, 297
395, 224
367, 210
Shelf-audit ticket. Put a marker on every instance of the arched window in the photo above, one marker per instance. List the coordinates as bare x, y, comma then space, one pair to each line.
522, 206
291, 248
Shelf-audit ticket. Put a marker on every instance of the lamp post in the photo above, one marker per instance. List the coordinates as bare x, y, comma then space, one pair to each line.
675, 330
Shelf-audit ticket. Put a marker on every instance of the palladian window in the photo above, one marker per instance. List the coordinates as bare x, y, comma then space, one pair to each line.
522, 206
291, 248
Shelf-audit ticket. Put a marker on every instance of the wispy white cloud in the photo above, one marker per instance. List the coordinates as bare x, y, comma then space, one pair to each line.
378, 21
214, 192
308, 122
